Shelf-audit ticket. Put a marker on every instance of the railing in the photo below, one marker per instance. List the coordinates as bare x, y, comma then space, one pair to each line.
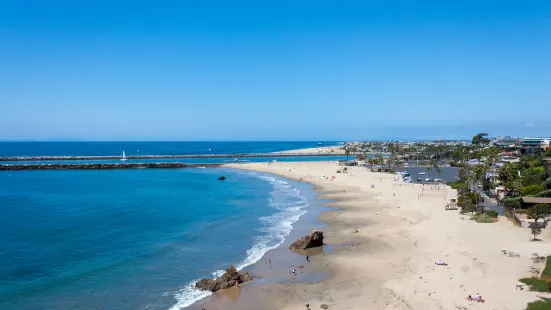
513, 215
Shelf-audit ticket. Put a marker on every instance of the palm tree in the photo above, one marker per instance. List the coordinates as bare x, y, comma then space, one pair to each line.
371, 161
434, 165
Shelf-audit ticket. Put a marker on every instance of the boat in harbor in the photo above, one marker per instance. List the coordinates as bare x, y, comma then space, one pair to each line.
422, 173
419, 179
123, 158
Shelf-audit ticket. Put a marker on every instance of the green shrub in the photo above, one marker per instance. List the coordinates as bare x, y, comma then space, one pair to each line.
547, 183
543, 304
491, 213
531, 190
512, 203
521, 211
456, 184
546, 193
547, 270
536, 284
482, 218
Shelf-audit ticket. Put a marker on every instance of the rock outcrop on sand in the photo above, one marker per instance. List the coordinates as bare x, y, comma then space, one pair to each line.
222, 178
227, 280
312, 240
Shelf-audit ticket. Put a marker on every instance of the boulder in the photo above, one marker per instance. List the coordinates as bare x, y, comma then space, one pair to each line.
222, 178
225, 281
324, 306
312, 240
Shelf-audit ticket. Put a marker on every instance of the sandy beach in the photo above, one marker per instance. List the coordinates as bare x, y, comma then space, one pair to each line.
386, 240
316, 150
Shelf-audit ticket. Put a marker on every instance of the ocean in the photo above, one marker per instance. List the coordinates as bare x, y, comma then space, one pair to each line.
134, 239
150, 148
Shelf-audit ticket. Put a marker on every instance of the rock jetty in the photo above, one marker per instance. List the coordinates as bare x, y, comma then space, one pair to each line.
230, 156
103, 166
225, 281
312, 240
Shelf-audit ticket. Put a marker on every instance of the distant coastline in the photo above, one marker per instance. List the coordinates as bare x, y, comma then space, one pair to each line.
236, 155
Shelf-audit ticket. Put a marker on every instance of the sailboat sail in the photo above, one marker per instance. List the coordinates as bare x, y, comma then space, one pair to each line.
123, 156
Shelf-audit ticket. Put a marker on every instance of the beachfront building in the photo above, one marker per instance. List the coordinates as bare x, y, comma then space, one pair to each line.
507, 141
535, 142
499, 192
529, 201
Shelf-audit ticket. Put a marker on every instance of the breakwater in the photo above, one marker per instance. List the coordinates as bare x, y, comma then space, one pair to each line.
104, 166
251, 155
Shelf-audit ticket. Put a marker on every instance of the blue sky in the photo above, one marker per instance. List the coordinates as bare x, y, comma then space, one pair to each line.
273, 70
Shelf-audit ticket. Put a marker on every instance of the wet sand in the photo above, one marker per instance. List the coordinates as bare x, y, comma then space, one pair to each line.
266, 275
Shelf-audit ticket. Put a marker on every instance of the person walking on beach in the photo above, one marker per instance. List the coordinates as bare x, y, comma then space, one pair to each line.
293, 272
307, 258
307, 304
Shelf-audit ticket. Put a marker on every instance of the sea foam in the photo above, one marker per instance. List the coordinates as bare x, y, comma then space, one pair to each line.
289, 204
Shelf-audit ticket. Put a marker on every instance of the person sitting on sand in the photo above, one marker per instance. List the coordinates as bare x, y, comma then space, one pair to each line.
477, 297
469, 298
307, 304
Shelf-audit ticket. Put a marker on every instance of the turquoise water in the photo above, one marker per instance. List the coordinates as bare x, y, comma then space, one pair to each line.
133, 239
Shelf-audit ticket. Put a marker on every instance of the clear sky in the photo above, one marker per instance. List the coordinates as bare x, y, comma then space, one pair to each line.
273, 70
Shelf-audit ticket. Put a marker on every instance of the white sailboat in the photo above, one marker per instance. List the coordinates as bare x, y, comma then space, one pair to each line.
123, 158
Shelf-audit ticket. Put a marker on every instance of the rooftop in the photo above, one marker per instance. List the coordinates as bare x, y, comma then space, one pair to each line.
527, 199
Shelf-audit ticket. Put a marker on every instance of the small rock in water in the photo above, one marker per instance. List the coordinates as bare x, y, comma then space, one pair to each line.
222, 178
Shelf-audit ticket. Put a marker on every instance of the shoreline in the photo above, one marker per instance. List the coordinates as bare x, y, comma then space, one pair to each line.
386, 240
314, 151
249, 295
340, 237
280, 255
